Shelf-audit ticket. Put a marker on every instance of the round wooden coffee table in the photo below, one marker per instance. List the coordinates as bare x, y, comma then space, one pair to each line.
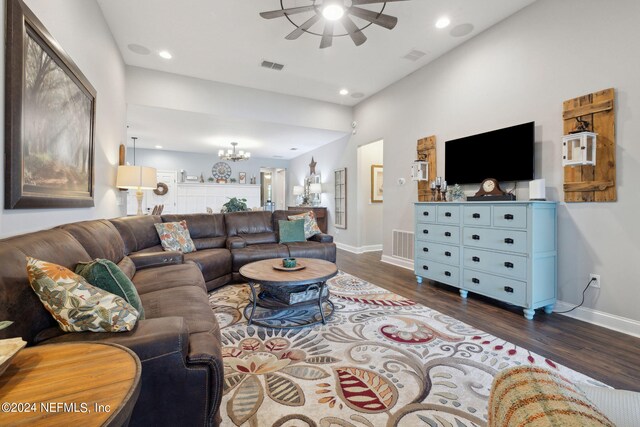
288, 299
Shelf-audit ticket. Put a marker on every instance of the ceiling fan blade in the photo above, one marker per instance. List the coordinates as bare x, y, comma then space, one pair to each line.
291, 11
302, 28
327, 35
356, 35
385, 21
359, 2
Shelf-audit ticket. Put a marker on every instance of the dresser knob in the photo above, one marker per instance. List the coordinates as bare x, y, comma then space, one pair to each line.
508, 264
508, 289
424, 267
447, 214
475, 259
425, 231
447, 273
475, 237
476, 215
425, 213
447, 253
508, 216
476, 281
425, 249
447, 234
508, 241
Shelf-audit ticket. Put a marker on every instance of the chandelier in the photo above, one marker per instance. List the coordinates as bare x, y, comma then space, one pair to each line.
232, 155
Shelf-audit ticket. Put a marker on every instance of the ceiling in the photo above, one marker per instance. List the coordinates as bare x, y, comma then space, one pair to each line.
226, 41
204, 133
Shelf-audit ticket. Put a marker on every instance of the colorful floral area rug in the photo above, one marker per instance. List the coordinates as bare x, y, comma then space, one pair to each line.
381, 360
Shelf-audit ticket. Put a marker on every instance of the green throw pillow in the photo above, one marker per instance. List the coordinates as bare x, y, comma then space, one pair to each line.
291, 231
106, 275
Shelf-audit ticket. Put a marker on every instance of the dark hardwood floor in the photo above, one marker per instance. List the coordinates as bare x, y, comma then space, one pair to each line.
606, 355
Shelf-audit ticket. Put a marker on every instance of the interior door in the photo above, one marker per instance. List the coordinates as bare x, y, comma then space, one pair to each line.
280, 189
169, 200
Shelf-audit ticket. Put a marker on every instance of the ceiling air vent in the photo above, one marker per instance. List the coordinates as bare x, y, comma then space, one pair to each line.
272, 65
414, 55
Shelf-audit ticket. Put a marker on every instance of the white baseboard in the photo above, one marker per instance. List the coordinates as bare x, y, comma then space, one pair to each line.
399, 262
600, 318
358, 249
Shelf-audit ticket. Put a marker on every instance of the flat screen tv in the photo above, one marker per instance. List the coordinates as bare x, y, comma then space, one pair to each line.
504, 154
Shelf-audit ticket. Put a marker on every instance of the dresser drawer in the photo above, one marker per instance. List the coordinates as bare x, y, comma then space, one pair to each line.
495, 262
507, 290
449, 214
510, 216
477, 215
438, 252
501, 240
437, 271
438, 233
426, 213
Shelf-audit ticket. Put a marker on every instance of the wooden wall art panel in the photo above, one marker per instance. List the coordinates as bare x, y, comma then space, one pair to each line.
427, 152
593, 183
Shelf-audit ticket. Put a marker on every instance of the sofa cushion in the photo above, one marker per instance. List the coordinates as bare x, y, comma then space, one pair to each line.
76, 305
99, 238
311, 227
325, 251
239, 223
213, 263
207, 230
174, 236
137, 232
127, 266
256, 253
291, 231
168, 277
105, 275
189, 302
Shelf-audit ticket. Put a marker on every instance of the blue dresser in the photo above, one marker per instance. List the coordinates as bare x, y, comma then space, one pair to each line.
503, 250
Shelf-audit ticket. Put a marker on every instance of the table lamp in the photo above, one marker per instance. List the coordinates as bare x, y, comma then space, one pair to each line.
316, 189
298, 191
139, 178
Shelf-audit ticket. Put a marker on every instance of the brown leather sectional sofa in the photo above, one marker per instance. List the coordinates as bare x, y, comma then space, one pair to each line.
178, 342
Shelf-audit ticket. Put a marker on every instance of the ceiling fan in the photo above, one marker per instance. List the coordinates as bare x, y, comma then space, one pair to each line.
332, 11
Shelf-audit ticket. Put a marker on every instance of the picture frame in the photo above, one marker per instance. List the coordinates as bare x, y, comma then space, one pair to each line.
377, 180
49, 119
242, 178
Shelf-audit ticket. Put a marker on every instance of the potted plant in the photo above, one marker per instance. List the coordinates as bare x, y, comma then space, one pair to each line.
235, 205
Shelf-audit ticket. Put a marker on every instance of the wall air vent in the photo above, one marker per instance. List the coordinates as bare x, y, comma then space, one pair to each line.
272, 65
414, 55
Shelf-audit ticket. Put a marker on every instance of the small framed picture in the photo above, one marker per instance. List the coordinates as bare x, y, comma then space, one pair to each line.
242, 178
376, 183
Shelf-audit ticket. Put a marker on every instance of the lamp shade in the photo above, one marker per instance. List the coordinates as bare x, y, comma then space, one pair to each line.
315, 188
142, 177
298, 190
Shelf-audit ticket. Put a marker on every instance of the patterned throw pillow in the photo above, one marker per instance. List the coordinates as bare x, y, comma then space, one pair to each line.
310, 224
76, 305
175, 236
107, 276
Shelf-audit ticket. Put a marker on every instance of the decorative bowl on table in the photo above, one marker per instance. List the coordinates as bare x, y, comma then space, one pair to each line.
8, 349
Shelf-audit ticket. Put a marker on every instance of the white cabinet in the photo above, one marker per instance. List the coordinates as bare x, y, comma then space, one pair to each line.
196, 197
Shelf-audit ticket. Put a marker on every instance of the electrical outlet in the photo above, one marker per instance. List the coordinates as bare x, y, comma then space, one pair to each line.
596, 281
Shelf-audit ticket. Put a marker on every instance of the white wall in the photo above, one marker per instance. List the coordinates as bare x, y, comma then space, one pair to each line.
197, 163
369, 214
521, 70
79, 27
328, 158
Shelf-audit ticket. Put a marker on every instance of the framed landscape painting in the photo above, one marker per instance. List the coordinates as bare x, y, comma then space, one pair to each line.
376, 183
50, 119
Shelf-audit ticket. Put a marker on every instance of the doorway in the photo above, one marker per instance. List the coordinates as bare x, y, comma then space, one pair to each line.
273, 188
370, 183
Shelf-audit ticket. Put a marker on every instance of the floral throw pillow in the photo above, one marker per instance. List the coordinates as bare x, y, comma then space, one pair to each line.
310, 224
175, 236
76, 305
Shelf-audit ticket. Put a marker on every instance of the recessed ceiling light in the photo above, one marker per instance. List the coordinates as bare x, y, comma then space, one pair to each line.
333, 11
165, 54
344, 92
461, 30
357, 95
159, 147
139, 49
293, 149
443, 22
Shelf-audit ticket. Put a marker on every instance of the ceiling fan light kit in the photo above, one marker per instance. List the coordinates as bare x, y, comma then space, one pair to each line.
332, 11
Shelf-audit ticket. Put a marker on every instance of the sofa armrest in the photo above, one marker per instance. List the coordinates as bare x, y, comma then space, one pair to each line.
322, 238
236, 242
156, 259
151, 338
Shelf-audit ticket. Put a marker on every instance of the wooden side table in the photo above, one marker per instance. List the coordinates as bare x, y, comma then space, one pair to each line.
319, 211
88, 384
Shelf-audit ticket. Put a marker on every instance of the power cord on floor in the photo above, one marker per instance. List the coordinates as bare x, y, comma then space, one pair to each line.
581, 302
